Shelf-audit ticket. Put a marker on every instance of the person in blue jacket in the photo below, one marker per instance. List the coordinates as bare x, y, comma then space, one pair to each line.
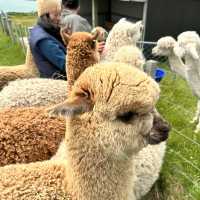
46, 43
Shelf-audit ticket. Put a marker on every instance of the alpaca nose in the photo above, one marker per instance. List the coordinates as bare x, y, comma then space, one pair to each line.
164, 130
160, 131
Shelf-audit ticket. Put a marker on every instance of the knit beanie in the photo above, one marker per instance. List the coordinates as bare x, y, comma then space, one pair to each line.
48, 6
71, 4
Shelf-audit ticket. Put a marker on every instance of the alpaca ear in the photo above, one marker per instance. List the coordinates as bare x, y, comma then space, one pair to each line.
71, 107
139, 26
122, 19
193, 51
65, 34
96, 34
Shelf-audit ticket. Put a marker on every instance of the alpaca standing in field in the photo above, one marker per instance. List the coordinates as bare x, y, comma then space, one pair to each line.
105, 131
166, 46
189, 49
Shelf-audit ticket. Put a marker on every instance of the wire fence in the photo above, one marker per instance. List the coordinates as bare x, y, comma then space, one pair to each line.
189, 169
17, 32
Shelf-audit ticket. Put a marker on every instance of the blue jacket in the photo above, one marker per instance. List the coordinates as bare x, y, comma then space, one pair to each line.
49, 53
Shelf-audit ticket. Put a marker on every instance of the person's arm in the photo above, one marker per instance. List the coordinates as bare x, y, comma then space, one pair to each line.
53, 53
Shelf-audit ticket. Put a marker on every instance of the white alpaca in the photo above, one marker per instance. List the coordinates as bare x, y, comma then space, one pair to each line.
166, 47
189, 49
123, 33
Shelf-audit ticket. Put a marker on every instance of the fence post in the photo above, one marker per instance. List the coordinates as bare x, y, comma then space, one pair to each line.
1, 22
5, 26
10, 30
21, 39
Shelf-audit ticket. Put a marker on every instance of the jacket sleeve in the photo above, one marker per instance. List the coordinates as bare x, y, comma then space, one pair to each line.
53, 53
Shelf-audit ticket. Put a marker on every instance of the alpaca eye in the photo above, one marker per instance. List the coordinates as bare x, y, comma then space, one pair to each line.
126, 117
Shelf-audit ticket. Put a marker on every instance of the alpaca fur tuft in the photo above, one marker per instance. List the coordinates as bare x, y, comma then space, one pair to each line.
33, 92
131, 55
28, 135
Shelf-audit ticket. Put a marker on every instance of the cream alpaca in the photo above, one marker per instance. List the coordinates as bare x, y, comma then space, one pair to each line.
166, 46
100, 142
123, 33
189, 48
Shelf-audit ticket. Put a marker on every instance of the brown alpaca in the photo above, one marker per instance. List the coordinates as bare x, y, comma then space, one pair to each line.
11, 73
28, 134
105, 130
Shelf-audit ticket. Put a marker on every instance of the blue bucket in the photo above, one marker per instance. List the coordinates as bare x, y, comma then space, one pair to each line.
159, 74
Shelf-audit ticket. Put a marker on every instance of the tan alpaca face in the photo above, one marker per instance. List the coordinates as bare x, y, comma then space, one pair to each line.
118, 102
85, 41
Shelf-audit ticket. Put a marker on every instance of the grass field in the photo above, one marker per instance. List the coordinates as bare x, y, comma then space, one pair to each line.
10, 54
24, 19
180, 176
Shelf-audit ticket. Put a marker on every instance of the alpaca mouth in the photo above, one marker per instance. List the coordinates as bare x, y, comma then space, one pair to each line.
154, 139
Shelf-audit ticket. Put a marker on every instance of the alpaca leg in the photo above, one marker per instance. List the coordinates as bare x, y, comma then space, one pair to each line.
197, 130
196, 117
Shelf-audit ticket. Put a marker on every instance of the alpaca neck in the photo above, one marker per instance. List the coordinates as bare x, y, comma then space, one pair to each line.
93, 175
77, 61
177, 65
193, 74
30, 63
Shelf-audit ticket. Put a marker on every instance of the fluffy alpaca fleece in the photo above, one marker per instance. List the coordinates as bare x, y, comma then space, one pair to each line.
131, 55
28, 135
166, 46
22, 122
11, 73
123, 33
189, 49
33, 92
105, 131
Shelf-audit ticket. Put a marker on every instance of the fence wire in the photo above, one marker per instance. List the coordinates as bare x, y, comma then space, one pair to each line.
180, 155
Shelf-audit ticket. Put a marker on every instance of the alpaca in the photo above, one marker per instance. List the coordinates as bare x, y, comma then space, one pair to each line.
131, 55
34, 92
166, 46
17, 125
189, 49
105, 131
123, 33
11, 73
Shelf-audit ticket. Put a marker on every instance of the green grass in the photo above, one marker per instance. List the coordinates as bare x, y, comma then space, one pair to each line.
28, 19
179, 180
10, 54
